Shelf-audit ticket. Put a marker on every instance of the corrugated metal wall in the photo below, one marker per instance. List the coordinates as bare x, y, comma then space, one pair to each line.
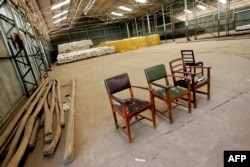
21, 68
10, 86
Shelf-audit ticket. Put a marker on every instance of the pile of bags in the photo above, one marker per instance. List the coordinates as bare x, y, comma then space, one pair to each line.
74, 46
84, 54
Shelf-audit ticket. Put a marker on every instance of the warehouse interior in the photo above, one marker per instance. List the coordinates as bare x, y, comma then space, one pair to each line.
39, 43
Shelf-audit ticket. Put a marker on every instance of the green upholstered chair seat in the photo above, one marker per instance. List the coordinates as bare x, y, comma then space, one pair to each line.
158, 81
173, 91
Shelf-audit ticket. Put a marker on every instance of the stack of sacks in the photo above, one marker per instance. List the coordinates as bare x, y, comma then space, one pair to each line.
84, 54
153, 40
74, 46
110, 43
133, 43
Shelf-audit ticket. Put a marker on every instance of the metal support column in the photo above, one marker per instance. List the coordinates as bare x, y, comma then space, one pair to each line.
87, 33
69, 36
148, 21
195, 20
155, 26
104, 32
172, 22
41, 58
186, 22
227, 17
218, 14
21, 53
163, 19
37, 50
128, 34
164, 22
136, 28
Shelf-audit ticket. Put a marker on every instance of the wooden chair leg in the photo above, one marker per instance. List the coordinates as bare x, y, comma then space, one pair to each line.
115, 120
189, 103
208, 91
202, 71
128, 130
170, 113
194, 69
194, 99
153, 116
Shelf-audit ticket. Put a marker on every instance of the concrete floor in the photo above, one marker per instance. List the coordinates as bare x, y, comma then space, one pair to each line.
197, 139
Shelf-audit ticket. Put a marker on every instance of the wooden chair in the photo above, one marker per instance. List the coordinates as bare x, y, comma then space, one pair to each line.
198, 80
190, 62
157, 79
128, 107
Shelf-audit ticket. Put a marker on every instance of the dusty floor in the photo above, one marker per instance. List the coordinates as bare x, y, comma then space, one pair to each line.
197, 139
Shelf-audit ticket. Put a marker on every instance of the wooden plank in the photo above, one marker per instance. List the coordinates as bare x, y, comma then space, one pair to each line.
69, 149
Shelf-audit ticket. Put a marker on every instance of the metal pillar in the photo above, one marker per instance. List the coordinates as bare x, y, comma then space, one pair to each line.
164, 22
40, 56
227, 17
172, 22
155, 23
69, 36
136, 28
128, 34
37, 50
148, 21
104, 32
163, 19
87, 33
186, 22
218, 26
21, 53
195, 20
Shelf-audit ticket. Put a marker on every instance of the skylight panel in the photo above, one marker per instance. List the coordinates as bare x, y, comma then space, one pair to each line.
116, 14
141, 1
60, 14
125, 8
59, 20
54, 7
202, 7
223, 1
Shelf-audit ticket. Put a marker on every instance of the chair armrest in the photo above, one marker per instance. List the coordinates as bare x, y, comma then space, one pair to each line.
118, 99
141, 87
181, 72
184, 77
184, 73
159, 85
203, 67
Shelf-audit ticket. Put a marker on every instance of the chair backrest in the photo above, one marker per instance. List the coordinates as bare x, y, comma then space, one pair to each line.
117, 83
177, 66
155, 72
188, 56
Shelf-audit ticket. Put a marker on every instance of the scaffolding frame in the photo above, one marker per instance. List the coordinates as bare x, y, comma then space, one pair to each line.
28, 59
